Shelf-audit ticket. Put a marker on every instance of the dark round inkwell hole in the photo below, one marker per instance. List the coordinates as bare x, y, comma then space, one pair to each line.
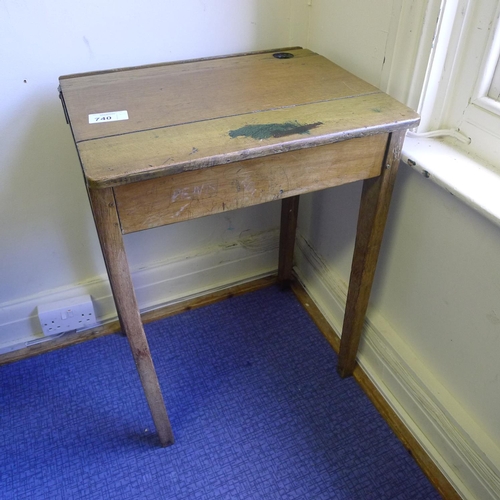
283, 55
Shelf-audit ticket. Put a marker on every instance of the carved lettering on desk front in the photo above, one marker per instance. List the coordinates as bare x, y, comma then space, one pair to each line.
194, 191
191, 194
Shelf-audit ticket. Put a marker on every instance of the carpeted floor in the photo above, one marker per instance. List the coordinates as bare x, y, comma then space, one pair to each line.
257, 409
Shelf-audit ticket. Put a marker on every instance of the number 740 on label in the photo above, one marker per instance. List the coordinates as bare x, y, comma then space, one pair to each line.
111, 116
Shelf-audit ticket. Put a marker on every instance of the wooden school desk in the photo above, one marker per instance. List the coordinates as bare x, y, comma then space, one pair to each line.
170, 142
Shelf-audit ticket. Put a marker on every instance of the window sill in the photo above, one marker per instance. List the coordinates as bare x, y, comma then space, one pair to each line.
475, 182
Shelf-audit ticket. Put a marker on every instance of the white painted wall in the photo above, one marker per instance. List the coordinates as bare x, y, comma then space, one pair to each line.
437, 290
433, 330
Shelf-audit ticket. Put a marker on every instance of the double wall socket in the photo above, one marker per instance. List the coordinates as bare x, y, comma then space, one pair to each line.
67, 315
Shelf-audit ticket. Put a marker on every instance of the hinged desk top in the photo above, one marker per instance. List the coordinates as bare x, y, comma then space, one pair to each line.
197, 114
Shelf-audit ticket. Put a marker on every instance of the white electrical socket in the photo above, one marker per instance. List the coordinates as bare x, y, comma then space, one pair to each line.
67, 315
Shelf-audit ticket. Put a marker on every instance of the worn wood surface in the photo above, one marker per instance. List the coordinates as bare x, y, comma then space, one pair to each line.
184, 196
108, 229
172, 94
204, 113
288, 227
374, 207
182, 61
147, 154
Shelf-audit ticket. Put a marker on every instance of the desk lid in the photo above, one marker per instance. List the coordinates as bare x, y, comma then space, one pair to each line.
139, 123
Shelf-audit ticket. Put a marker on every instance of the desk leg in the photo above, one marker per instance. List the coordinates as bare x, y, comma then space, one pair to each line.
375, 200
108, 229
289, 213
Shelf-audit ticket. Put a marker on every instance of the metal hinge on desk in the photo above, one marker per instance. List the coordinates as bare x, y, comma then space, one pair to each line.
63, 104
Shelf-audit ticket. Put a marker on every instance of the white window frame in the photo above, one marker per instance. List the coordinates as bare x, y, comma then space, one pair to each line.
466, 51
457, 144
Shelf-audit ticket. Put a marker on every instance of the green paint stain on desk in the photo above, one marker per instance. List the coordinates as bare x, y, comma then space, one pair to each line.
268, 130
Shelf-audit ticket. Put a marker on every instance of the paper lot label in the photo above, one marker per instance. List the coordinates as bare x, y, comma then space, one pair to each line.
111, 116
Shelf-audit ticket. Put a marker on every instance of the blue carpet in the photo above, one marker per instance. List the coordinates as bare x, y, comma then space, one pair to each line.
257, 409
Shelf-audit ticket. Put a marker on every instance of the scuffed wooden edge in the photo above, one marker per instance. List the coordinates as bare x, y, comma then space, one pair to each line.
184, 61
248, 154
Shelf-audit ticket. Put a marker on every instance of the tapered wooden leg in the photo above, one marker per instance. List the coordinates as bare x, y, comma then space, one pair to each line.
289, 213
108, 229
375, 200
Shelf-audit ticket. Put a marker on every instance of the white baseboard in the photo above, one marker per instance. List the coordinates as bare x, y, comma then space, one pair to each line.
463, 452
157, 284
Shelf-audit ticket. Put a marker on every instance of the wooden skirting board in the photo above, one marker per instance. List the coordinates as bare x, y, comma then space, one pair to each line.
410, 443
147, 317
428, 467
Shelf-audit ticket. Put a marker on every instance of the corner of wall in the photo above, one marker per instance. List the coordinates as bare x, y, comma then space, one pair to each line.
453, 440
300, 15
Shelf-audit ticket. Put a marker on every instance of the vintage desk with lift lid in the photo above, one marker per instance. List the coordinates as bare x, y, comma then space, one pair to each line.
165, 143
